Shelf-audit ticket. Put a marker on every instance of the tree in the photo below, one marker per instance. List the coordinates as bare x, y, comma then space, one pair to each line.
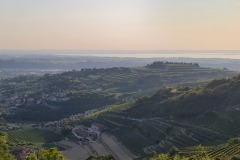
200, 153
51, 154
173, 151
177, 157
4, 150
101, 157
233, 141
160, 157
157, 65
32, 156
235, 158
66, 130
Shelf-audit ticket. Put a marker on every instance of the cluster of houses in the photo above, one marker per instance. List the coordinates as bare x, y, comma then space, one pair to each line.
57, 126
73, 118
88, 134
15, 101
65, 121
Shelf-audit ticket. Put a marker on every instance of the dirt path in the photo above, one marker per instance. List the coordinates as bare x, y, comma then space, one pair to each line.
100, 149
115, 148
77, 152
107, 145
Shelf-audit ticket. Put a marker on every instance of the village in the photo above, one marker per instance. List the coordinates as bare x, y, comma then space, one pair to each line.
82, 141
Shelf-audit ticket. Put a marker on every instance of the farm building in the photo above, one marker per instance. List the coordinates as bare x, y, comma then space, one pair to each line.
98, 127
22, 152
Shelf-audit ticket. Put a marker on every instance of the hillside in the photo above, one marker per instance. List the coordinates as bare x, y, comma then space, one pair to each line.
33, 98
178, 116
217, 102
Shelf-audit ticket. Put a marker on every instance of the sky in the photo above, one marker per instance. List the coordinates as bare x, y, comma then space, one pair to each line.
120, 24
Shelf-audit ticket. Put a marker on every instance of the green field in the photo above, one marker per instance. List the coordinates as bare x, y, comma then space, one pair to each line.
33, 136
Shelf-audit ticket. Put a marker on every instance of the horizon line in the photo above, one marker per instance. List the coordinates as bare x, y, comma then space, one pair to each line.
129, 50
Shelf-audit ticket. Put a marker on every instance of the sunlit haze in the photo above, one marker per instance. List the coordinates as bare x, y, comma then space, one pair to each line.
120, 24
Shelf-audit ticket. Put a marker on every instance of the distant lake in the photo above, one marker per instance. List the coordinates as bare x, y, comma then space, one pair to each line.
161, 55
228, 54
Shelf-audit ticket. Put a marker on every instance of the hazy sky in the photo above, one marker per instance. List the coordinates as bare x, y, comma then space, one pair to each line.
120, 24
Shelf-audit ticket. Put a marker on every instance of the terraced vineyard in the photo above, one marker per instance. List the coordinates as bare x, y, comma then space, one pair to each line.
133, 139
181, 117
142, 136
225, 151
222, 122
33, 136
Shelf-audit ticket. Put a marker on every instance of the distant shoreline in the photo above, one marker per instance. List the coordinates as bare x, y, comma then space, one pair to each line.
223, 54
159, 55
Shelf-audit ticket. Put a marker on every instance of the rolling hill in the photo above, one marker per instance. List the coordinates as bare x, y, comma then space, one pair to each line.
216, 102
33, 98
